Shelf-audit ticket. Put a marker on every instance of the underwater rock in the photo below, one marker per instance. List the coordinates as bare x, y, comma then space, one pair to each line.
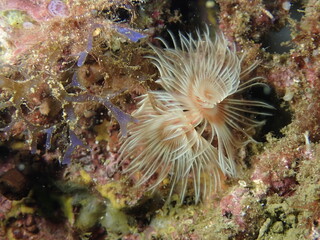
71, 72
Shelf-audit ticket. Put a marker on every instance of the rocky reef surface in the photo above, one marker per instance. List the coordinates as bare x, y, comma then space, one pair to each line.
71, 74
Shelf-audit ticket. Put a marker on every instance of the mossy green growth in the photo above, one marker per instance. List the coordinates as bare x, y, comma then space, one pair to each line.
115, 220
14, 18
282, 221
92, 209
90, 206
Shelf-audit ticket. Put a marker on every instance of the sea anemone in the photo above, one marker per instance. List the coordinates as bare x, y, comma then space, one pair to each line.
193, 127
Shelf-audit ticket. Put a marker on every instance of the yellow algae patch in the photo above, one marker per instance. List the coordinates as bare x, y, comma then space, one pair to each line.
103, 131
18, 145
18, 207
113, 191
21, 208
166, 181
85, 177
66, 203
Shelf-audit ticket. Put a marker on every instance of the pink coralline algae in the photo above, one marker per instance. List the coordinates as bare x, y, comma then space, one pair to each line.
232, 206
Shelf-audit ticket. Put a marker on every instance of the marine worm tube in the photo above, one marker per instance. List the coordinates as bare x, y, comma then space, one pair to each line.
193, 127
